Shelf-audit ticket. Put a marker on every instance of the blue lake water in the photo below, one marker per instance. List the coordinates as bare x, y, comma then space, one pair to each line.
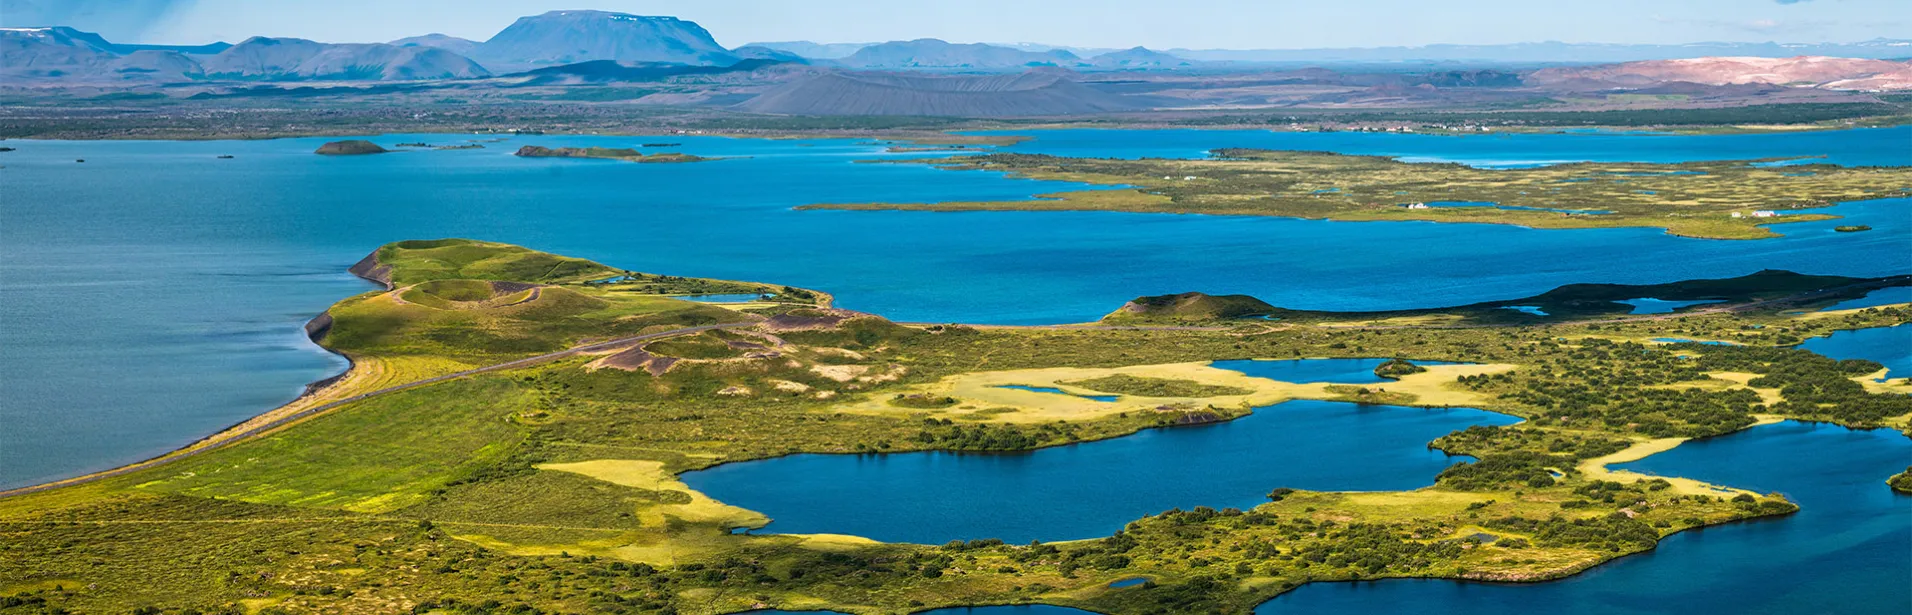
1890, 346
154, 293
1341, 371
1883, 296
1682, 340
1093, 489
1845, 552
1661, 306
1056, 391
729, 298
1526, 309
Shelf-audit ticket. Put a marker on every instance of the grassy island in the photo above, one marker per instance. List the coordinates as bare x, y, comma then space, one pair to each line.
510, 435
1902, 482
1719, 200
610, 153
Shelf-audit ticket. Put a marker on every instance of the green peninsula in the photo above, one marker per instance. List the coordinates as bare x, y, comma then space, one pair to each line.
1718, 200
510, 435
610, 153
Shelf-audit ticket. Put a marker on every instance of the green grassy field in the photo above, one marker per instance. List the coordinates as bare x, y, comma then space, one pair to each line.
1715, 200
552, 488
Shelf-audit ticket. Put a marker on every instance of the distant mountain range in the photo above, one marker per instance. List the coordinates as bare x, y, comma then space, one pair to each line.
1813, 71
68, 55
1552, 52
815, 51
1033, 93
668, 61
1516, 53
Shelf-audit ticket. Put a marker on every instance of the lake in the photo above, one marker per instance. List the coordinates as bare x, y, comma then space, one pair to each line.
1889, 346
1339, 371
154, 292
1844, 552
1092, 489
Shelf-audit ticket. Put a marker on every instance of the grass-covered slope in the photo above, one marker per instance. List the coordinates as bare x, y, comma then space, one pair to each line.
1696, 199
552, 487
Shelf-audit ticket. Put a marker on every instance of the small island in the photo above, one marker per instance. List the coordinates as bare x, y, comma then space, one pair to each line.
1852, 228
350, 147
1901, 482
618, 153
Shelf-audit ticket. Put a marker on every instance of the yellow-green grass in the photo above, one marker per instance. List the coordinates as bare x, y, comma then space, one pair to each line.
1696, 199
535, 485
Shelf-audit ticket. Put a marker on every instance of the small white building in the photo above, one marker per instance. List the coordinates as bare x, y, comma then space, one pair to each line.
1765, 214
1416, 205
1738, 215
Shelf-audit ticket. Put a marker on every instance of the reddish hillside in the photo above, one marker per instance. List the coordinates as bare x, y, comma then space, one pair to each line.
1808, 71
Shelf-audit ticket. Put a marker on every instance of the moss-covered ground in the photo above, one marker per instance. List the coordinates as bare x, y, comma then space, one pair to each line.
552, 487
1719, 200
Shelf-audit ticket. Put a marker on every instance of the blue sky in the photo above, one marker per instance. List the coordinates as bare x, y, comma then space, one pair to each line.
1235, 24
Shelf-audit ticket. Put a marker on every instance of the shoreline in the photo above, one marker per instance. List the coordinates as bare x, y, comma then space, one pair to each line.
287, 414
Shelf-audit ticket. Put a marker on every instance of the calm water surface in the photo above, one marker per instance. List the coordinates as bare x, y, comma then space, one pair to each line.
154, 292
1889, 346
1845, 552
1093, 489
1340, 371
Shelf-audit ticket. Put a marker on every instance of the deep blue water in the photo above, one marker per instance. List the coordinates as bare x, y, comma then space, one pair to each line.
1848, 550
1342, 371
1890, 346
1661, 306
154, 292
1093, 489
1883, 296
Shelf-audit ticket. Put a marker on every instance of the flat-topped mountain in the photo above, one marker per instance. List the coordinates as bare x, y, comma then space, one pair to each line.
567, 37
934, 53
1812, 71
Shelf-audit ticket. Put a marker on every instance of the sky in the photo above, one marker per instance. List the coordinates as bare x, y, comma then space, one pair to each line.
1159, 24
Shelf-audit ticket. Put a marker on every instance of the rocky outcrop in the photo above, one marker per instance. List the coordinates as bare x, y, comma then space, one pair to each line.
352, 147
371, 270
318, 327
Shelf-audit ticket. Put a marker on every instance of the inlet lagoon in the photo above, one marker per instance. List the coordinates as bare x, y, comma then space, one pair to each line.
185, 277
1092, 489
1843, 552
